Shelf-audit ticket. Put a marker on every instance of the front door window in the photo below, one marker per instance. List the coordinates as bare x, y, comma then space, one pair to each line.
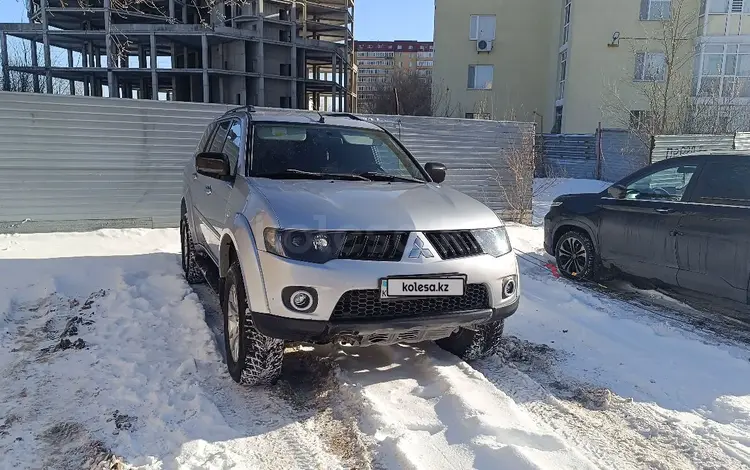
664, 185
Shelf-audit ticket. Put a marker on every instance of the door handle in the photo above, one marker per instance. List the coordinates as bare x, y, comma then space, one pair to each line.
664, 210
208, 190
676, 233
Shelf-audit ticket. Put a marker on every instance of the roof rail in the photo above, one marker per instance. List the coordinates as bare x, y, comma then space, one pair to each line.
349, 115
249, 108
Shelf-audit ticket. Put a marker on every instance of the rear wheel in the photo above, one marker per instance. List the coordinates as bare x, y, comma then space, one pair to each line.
471, 345
575, 256
252, 357
193, 274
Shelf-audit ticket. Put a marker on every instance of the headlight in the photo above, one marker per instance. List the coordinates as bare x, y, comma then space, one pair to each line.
301, 245
493, 241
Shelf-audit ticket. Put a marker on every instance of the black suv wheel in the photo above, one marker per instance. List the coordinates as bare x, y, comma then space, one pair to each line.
575, 256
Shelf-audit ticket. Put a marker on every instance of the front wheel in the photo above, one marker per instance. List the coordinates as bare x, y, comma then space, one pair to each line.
471, 345
252, 357
575, 256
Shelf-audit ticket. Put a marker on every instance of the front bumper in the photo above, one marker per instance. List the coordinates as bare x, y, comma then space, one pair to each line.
369, 332
333, 279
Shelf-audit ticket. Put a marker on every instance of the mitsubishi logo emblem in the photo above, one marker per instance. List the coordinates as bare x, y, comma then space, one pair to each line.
418, 250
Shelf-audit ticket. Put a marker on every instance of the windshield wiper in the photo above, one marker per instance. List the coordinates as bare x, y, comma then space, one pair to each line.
293, 172
378, 176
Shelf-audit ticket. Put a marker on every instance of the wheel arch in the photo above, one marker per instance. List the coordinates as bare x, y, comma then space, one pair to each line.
573, 226
238, 244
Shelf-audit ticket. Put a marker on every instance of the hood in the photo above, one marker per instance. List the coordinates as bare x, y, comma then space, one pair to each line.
362, 205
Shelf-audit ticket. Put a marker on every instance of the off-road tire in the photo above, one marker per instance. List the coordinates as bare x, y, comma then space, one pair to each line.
193, 273
471, 345
591, 267
260, 357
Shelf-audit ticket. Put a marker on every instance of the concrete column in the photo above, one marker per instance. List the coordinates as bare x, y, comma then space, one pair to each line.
4, 60
221, 90
333, 86
171, 10
154, 76
35, 64
261, 54
206, 84
47, 55
113, 93
173, 94
294, 101
184, 13
70, 65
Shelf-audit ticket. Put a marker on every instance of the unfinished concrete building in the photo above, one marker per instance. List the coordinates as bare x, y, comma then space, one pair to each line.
278, 53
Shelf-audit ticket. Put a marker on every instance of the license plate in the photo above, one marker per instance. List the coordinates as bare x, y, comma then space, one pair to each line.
422, 287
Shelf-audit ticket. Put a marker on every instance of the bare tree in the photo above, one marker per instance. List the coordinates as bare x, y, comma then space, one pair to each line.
404, 93
19, 55
666, 90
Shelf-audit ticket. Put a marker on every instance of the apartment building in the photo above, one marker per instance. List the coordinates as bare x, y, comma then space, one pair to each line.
570, 65
279, 53
377, 61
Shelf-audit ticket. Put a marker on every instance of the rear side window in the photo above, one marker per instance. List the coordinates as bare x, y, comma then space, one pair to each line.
725, 182
217, 145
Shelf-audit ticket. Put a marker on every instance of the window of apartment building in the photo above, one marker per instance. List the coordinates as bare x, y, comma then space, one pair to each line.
650, 66
656, 10
566, 21
725, 71
482, 27
728, 6
480, 77
424, 63
563, 75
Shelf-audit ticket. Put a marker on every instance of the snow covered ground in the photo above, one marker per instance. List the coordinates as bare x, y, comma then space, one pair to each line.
109, 358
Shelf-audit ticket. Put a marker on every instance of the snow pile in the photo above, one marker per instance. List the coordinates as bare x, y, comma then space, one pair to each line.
139, 377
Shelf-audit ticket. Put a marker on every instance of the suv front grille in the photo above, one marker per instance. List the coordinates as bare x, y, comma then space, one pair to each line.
366, 304
374, 246
455, 244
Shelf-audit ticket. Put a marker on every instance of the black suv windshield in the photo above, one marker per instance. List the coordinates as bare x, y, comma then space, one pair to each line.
308, 151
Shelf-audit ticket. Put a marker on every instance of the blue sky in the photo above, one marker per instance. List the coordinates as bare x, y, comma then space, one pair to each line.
375, 19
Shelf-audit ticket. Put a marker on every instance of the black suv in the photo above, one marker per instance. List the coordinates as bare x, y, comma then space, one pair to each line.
682, 222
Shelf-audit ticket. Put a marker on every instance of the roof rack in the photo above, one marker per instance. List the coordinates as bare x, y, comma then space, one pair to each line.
349, 115
249, 108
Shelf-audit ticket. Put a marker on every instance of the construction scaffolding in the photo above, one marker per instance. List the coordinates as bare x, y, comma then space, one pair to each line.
278, 53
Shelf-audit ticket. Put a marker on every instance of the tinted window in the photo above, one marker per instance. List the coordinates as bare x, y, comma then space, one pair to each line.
233, 145
725, 182
221, 135
322, 149
206, 137
666, 184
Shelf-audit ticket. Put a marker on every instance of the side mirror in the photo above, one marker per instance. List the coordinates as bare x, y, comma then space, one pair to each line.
436, 171
214, 165
617, 191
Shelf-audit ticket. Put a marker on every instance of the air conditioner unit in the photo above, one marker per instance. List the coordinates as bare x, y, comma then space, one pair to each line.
484, 45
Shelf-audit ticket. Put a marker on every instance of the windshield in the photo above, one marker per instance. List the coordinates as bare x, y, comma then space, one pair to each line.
298, 150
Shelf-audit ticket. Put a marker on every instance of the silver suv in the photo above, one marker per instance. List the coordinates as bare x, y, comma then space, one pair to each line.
323, 228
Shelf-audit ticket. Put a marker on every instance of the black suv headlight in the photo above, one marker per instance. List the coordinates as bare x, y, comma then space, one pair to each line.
494, 241
301, 245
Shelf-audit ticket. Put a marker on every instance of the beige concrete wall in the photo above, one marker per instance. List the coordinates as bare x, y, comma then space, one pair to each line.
600, 84
519, 56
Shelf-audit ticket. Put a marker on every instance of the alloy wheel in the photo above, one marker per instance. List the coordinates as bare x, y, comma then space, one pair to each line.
572, 256
233, 324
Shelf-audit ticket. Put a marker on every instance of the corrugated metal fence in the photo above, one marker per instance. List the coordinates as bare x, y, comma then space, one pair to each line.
82, 163
609, 154
568, 155
671, 146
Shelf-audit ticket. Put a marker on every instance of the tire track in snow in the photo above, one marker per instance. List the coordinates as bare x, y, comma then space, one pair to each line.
622, 435
429, 410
